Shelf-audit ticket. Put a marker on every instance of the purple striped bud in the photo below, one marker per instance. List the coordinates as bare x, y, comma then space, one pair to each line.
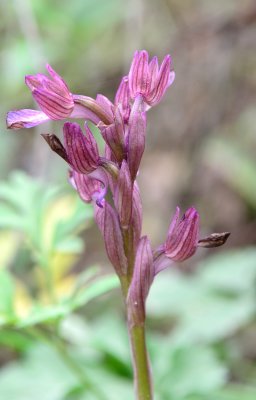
114, 135
52, 94
82, 150
136, 138
182, 236
123, 195
182, 240
123, 98
147, 79
142, 279
107, 220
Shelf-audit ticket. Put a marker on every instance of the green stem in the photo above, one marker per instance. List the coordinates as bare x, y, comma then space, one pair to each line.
141, 367
142, 375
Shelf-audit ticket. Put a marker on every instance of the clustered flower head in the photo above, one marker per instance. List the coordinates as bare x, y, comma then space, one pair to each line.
122, 124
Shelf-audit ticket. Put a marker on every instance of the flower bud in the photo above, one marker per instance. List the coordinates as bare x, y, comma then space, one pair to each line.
182, 237
123, 98
82, 150
123, 195
142, 279
107, 220
136, 139
114, 135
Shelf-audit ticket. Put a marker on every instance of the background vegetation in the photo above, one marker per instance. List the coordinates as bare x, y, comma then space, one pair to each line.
62, 333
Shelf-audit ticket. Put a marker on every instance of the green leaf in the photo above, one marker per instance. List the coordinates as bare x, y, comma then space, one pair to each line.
41, 375
236, 392
82, 214
6, 294
231, 271
96, 288
15, 340
54, 312
188, 370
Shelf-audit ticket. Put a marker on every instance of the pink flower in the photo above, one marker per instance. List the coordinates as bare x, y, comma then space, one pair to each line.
183, 240
56, 103
148, 79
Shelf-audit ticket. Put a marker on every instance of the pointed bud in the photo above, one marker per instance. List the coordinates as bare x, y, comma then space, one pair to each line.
108, 224
136, 138
214, 240
123, 98
142, 279
51, 94
182, 237
139, 79
123, 195
114, 135
82, 150
56, 145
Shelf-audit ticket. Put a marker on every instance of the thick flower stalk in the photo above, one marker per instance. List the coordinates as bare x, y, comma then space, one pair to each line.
122, 124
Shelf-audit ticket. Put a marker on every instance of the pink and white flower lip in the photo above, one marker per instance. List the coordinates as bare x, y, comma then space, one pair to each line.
91, 190
148, 79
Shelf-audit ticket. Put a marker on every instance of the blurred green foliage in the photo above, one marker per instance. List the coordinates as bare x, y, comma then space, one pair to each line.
196, 326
